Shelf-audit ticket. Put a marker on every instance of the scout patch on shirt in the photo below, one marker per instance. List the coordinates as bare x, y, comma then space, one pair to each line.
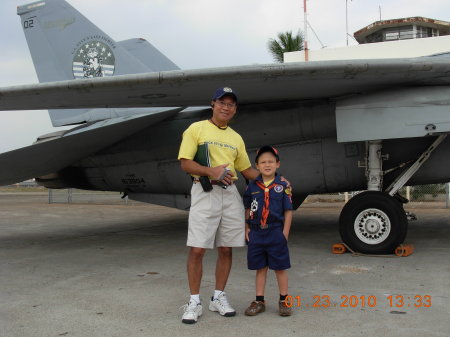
278, 188
253, 208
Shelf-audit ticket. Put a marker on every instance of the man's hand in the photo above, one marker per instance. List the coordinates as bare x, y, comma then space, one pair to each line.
218, 171
192, 167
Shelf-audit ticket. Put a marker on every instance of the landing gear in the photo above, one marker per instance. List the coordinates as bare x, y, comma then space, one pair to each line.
373, 222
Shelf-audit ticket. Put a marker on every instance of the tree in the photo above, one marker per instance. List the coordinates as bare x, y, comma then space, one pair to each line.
285, 42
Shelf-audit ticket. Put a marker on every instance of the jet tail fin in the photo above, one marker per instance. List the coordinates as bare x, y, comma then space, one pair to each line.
65, 45
148, 54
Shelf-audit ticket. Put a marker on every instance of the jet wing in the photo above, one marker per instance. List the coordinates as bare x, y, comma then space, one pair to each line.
254, 84
51, 156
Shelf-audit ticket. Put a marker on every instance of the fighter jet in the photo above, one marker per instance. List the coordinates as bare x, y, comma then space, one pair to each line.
356, 125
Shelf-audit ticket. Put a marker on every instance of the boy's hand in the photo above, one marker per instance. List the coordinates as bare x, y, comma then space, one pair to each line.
287, 223
247, 230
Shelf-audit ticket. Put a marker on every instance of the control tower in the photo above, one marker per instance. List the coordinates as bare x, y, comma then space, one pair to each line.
402, 29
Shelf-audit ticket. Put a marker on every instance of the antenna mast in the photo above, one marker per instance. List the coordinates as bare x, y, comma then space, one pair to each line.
346, 20
305, 31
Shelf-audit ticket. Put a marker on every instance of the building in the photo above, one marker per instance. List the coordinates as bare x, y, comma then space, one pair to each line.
402, 29
406, 37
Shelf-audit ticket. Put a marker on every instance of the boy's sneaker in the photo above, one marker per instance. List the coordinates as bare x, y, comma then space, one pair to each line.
192, 311
255, 308
221, 305
283, 309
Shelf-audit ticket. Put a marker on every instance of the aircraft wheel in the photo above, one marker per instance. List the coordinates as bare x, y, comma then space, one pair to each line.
373, 222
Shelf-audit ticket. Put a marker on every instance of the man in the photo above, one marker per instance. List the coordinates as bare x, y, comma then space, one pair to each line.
212, 152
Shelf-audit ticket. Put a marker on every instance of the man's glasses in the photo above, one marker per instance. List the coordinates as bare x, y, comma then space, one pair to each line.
224, 104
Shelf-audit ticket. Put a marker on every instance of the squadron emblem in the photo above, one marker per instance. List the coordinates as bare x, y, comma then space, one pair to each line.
93, 59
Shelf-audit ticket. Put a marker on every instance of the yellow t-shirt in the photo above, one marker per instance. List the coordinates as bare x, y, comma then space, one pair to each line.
218, 146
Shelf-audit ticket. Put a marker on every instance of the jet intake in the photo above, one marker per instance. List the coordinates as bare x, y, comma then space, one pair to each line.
52, 181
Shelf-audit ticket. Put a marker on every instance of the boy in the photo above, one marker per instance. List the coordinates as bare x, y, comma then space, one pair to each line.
268, 214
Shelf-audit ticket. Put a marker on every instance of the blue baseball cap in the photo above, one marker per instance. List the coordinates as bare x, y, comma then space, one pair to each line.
267, 148
225, 91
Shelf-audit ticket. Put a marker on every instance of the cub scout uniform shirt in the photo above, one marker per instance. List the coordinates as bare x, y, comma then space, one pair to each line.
211, 146
267, 203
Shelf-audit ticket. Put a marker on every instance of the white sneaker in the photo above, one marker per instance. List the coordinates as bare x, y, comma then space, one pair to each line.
221, 305
192, 311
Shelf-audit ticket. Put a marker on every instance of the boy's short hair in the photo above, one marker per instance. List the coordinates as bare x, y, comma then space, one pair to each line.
266, 148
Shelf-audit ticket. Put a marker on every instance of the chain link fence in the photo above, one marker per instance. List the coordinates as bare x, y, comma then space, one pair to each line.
432, 195
72, 195
423, 193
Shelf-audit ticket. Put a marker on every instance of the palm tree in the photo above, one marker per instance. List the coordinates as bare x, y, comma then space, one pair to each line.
285, 42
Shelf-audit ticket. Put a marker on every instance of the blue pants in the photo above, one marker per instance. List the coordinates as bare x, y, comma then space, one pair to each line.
268, 247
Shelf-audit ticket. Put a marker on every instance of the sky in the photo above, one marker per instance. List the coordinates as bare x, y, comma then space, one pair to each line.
195, 34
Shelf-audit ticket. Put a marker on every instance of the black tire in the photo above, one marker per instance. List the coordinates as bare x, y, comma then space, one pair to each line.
373, 222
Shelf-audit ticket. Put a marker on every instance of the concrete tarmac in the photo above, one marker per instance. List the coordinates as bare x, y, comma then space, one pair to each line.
119, 270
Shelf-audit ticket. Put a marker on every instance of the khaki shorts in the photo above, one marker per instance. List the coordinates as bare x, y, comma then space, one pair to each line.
216, 218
